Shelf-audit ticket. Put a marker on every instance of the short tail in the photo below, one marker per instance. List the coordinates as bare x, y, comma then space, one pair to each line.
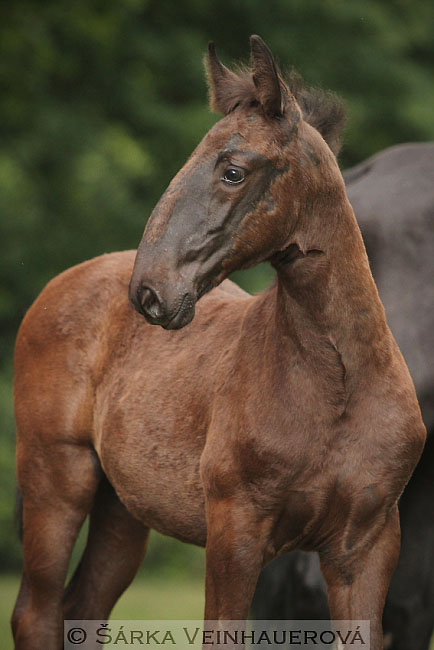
18, 513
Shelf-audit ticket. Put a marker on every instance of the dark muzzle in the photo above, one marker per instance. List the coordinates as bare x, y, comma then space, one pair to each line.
148, 302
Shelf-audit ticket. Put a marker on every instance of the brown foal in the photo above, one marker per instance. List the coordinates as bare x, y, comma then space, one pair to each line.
282, 421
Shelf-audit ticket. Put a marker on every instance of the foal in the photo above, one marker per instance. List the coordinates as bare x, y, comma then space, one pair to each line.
270, 423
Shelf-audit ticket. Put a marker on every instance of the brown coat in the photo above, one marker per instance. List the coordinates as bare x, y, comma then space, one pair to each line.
281, 421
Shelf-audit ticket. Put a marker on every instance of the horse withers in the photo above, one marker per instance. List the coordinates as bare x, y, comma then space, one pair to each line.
277, 422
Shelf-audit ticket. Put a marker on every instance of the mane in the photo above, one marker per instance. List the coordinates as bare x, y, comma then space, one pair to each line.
324, 110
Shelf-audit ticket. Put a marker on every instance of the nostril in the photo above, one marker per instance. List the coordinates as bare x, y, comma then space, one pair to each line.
149, 302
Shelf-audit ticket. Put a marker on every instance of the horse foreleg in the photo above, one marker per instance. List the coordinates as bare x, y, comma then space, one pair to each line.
57, 482
357, 587
115, 548
409, 614
236, 541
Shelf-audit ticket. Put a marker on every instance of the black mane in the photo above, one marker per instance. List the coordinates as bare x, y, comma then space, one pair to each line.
323, 110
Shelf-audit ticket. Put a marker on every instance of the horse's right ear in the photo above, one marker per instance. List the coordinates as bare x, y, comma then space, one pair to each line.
265, 77
222, 83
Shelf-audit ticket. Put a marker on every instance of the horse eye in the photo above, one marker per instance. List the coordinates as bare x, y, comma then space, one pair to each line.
233, 175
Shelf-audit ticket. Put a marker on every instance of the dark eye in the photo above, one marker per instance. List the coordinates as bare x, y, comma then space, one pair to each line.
233, 175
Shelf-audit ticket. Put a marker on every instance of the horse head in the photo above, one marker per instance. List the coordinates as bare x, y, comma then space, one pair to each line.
240, 197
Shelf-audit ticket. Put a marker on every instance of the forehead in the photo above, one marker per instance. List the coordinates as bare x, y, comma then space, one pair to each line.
248, 131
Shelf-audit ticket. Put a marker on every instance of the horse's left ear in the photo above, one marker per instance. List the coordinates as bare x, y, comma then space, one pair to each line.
266, 78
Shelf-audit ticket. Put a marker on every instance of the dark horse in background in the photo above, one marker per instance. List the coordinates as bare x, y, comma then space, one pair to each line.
271, 423
392, 194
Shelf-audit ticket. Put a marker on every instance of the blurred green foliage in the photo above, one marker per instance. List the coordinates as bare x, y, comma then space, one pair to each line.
101, 101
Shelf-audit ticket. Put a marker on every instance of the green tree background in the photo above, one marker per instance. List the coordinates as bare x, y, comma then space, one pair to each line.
101, 102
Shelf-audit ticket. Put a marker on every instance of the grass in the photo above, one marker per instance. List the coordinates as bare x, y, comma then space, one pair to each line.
156, 599
147, 599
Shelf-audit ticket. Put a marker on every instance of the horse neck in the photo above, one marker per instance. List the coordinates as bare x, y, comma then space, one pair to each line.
325, 298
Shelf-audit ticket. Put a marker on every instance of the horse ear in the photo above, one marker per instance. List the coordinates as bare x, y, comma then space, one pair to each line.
265, 77
221, 83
